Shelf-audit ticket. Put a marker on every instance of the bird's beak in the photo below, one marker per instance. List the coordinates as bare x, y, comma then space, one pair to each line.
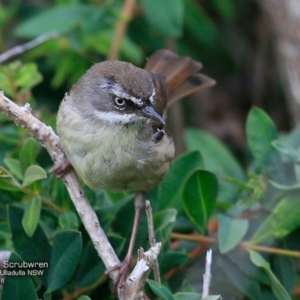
149, 112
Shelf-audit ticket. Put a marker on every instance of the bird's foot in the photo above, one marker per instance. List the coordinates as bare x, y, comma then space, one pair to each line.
122, 268
62, 168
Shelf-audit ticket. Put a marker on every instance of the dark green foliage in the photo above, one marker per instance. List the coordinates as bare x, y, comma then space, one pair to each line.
199, 197
254, 199
17, 286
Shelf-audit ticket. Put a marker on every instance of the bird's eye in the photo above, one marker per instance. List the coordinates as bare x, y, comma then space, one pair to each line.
120, 102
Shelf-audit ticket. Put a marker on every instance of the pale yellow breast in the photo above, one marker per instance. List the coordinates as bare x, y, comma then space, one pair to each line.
113, 156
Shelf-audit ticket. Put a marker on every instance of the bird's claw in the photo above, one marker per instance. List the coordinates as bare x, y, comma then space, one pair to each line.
62, 168
122, 269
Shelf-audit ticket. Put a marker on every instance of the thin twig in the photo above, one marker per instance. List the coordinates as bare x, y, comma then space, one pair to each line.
207, 275
244, 245
121, 27
152, 239
194, 238
249, 246
27, 46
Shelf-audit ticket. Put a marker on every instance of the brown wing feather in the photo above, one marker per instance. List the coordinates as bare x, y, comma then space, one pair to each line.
178, 73
191, 84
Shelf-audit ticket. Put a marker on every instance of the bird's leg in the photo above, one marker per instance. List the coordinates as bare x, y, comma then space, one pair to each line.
62, 168
123, 267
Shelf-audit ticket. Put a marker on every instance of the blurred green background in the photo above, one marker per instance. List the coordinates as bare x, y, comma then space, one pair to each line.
236, 179
231, 38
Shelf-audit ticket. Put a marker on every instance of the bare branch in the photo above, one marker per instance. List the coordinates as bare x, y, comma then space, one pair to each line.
134, 285
207, 275
27, 46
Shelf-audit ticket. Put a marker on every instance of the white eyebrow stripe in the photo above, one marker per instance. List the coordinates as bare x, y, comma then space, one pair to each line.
119, 94
151, 98
114, 117
116, 89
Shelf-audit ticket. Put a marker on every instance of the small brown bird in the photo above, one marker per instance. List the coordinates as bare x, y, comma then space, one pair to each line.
112, 125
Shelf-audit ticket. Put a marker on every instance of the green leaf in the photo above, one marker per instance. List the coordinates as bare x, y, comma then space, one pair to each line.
66, 17
163, 223
33, 174
159, 290
47, 296
171, 260
66, 253
286, 271
187, 296
171, 187
199, 197
261, 131
5, 235
66, 72
230, 232
14, 167
268, 295
27, 76
68, 220
248, 286
217, 159
31, 249
199, 18
285, 187
91, 267
283, 219
31, 215
58, 192
18, 77
278, 290
292, 138
247, 268
213, 298
286, 150
164, 16
8, 182
84, 297
28, 153
163, 218
16, 287
7, 73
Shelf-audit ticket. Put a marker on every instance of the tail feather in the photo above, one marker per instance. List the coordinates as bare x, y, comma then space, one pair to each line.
180, 74
192, 84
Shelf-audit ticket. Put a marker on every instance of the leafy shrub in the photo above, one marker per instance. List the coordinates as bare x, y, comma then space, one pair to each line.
248, 214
